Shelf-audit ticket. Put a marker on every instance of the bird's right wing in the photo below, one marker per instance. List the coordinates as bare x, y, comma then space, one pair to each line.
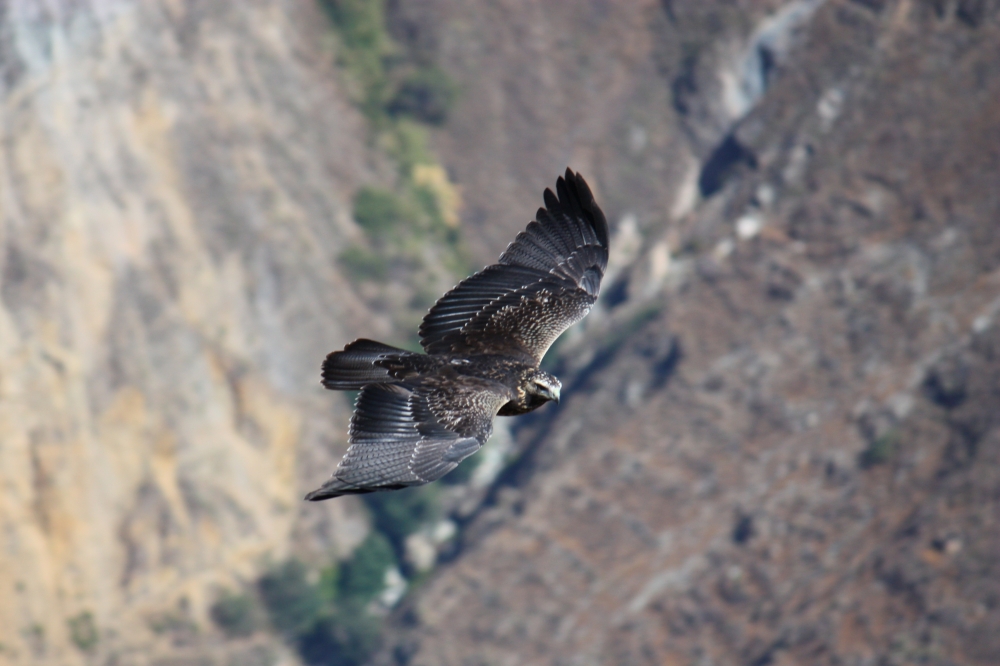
546, 281
411, 434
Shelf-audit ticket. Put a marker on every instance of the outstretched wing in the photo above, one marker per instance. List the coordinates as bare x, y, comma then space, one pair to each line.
407, 435
546, 281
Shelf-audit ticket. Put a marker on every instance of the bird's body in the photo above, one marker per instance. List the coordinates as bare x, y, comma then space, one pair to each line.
419, 415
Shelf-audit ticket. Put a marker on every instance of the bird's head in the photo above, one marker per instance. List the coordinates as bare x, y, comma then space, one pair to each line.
542, 387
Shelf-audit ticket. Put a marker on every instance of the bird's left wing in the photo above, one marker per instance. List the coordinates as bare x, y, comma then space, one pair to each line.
546, 281
411, 434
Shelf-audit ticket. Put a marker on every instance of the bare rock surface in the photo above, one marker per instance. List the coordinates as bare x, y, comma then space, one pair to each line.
779, 442
175, 186
781, 438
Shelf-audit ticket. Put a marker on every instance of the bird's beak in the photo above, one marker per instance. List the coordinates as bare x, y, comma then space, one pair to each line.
555, 395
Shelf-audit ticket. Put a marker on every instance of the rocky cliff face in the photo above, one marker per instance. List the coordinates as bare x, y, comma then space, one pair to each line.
781, 439
779, 442
175, 184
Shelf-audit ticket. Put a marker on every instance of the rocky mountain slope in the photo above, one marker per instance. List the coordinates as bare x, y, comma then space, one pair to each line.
176, 184
781, 440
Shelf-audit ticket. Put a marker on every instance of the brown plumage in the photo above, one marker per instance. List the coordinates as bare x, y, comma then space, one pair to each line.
419, 415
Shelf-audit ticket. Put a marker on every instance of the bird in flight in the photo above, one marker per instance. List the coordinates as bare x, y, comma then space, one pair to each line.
417, 416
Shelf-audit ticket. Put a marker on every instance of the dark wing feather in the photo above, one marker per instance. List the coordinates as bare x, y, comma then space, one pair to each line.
407, 435
546, 281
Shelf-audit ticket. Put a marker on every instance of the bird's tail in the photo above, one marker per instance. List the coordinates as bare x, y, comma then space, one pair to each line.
357, 365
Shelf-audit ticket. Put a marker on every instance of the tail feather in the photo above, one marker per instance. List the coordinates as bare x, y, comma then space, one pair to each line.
355, 366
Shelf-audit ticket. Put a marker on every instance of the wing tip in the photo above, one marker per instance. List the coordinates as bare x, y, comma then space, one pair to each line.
330, 489
547, 241
576, 189
337, 488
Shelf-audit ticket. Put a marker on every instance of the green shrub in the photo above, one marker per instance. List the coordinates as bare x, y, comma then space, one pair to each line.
329, 583
359, 22
378, 211
235, 614
293, 603
83, 631
880, 450
408, 145
174, 622
346, 637
363, 575
364, 265
427, 95
428, 202
327, 622
365, 48
401, 513
35, 636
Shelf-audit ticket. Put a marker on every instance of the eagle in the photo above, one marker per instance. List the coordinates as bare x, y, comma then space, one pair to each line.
417, 416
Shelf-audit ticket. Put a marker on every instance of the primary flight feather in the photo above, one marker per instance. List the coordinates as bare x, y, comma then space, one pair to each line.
419, 415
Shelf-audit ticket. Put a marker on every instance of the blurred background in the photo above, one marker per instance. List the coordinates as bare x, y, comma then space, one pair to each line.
780, 435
